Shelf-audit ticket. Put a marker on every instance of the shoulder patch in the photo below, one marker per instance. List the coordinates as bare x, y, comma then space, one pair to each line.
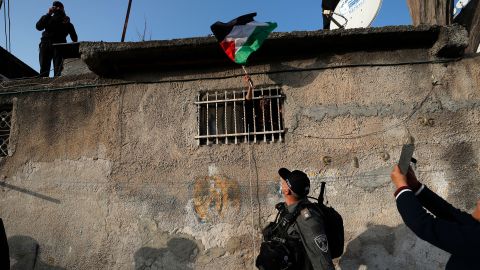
306, 214
321, 242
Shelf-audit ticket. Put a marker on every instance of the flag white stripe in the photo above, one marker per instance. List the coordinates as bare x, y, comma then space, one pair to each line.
241, 33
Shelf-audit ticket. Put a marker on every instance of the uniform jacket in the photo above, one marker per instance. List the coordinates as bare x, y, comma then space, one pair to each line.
56, 28
309, 227
450, 229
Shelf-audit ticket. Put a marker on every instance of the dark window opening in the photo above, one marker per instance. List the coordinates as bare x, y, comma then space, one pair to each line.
225, 117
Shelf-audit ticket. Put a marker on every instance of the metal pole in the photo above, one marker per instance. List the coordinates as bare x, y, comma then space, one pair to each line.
126, 20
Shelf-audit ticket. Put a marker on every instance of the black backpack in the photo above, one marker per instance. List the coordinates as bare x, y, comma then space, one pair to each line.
333, 225
278, 250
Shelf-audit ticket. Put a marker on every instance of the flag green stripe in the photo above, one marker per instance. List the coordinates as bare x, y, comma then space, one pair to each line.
253, 42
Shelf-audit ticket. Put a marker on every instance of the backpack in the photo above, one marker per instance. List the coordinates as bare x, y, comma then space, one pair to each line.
278, 250
333, 225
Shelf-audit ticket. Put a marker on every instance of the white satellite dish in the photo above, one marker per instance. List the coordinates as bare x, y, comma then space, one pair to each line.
459, 6
355, 13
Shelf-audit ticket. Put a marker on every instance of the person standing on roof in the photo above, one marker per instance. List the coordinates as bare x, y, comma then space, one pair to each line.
56, 26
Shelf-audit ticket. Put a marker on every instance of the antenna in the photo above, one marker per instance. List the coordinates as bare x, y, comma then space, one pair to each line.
355, 13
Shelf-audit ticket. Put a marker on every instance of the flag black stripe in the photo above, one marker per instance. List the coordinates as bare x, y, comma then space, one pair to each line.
221, 30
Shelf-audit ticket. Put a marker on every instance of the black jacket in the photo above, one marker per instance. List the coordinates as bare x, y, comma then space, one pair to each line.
450, 229
57, 27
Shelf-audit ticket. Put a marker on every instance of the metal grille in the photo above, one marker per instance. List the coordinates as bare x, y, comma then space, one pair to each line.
5, 124
225, 117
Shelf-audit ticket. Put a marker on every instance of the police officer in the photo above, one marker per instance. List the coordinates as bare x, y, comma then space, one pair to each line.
450, 229
308, 226
57, 26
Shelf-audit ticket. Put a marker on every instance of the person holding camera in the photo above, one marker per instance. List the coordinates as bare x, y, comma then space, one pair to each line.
56, 26
449, 229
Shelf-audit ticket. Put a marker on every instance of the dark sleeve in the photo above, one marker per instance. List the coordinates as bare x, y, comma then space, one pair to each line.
4, 252
42, 23
72, 33
450, 236
314, 239
442, 209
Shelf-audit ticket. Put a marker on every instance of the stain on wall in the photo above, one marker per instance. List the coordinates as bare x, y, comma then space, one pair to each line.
125, 165
25, 253
180, 254
214, 195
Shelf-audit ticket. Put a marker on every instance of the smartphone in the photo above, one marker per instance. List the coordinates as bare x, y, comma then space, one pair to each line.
406, 157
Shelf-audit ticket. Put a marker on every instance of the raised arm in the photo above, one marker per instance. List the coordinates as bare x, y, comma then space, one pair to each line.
43, 22
72, 33
450, 236
434, 203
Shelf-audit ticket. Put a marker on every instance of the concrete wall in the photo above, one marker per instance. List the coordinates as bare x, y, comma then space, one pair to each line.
111, 177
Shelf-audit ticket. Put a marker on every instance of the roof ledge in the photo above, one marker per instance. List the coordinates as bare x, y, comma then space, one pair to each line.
112, 59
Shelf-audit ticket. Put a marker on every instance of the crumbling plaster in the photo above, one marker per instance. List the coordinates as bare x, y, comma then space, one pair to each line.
113, 171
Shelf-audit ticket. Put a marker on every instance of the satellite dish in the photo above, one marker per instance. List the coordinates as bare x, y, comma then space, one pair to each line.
459, 6
355, 13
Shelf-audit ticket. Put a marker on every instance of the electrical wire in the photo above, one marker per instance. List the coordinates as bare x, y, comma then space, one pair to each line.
5, 26
381, 131
34, 77
9, 28
213, 78
252, 207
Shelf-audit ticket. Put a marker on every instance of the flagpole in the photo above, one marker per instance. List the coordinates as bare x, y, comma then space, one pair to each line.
250, 86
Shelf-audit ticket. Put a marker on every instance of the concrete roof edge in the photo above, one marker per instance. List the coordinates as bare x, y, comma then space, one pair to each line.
117, 57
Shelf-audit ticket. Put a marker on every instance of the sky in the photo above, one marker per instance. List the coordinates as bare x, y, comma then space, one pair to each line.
102, 20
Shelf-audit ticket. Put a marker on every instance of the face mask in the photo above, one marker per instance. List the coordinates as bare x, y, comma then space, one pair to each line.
280, 189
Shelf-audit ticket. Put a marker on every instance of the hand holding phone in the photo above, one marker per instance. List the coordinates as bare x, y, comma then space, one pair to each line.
406, 157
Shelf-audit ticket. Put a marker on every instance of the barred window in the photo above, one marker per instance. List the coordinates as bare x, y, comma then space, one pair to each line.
5, 124
225, 117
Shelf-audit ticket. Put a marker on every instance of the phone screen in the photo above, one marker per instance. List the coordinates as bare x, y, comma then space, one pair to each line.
406, 157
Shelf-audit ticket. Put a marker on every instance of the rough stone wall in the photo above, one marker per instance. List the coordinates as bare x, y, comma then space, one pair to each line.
111, 177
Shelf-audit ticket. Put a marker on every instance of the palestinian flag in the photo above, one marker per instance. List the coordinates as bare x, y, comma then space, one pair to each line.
242, 36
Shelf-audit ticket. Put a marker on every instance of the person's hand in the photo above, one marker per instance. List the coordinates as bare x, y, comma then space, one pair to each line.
398, 179
66, 19
249, 83
51, 10
412, 181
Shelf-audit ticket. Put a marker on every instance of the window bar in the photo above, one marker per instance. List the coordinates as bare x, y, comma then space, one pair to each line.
235, 117
244, 118
226, 125
263, 116
199, 118
208, 122
216, 115
254, 122
271, 115
279, 117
